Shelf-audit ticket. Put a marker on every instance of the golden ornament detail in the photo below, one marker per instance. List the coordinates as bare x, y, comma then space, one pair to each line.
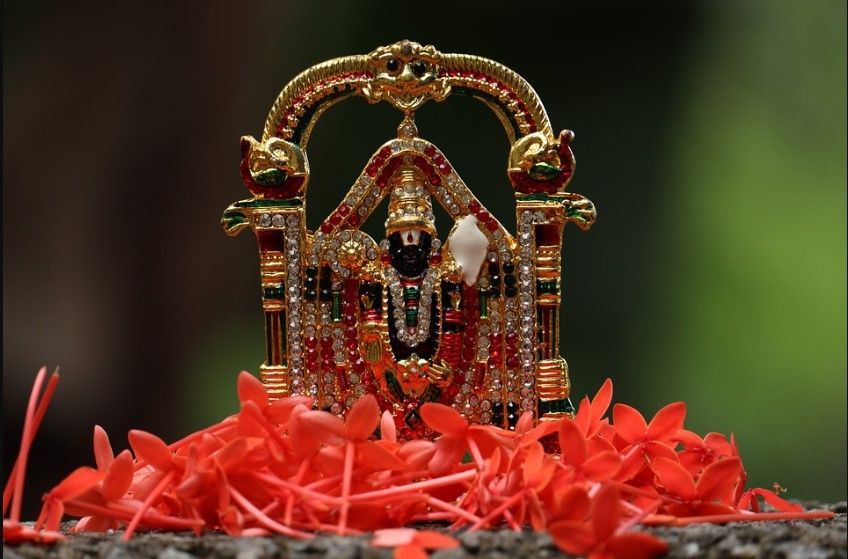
471, 321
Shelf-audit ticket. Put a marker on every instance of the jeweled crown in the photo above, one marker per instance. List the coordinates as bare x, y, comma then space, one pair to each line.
410, 206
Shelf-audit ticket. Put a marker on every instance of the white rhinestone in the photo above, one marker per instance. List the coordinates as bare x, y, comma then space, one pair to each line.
265, 220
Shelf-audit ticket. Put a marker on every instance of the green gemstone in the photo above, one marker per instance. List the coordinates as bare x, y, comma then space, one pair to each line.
484, 304
337, 306
430, 394
231, 219
543, 171
410, 293
270, 177
547, 287
393, 385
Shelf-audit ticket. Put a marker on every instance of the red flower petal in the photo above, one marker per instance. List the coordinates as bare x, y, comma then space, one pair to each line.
232, 454
667, 422
601, 401
606, 511
428, 539
602, 466
376, 457
362, 418
410, 551
775, 501
718, 444
118, 478
279, 411
449, 451
442, 418
78, 482
417, 453
674, 478
533, 462
322, 426
251, 389
572, 443
388, 429
629, 423
636, 545
393, 537
572, 537
718, 480
151, 449
574, 503
103, 455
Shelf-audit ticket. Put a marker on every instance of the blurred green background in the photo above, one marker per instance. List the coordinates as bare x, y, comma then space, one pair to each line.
711, 136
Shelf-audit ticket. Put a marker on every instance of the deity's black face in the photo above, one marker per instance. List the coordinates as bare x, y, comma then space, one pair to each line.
410, 260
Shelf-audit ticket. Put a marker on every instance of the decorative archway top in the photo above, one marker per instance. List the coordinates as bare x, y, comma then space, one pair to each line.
406, 74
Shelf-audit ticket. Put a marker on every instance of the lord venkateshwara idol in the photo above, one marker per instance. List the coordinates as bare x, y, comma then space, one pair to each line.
470, 320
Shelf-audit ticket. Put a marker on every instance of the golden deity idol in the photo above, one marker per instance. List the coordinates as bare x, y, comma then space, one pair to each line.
472, 320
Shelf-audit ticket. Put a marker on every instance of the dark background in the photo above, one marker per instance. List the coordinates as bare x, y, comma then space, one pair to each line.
710, 135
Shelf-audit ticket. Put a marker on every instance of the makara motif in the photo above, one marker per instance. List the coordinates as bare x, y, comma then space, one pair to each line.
471, 320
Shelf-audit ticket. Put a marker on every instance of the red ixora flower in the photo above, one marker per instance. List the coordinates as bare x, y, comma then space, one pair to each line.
279, 466
594, 529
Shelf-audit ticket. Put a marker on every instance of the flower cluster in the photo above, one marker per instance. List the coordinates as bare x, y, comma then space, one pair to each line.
282, 467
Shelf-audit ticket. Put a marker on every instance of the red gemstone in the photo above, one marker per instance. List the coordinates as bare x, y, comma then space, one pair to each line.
435, 259
344, 209
386, 259
336, 219
444, 168
327, 227
492, 225
512, 361
383, 180
511, 338
311, 341
371, 170
474, 206
385, 152
435, 180
430, 151
354, 220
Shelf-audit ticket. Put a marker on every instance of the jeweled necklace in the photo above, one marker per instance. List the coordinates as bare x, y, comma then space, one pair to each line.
422, 329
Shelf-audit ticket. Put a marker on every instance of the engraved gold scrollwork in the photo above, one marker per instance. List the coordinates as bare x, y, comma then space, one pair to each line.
273, 167
419, 73
406, 75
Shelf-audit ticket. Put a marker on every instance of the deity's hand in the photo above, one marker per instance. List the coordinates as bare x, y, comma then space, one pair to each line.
372, 345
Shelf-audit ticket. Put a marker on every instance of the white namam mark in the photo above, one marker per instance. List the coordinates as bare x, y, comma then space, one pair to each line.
469, 247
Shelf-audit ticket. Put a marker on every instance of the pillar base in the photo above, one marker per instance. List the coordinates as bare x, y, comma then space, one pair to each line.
276, 380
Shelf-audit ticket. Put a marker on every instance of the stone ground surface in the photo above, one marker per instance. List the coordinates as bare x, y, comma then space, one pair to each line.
785, 540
